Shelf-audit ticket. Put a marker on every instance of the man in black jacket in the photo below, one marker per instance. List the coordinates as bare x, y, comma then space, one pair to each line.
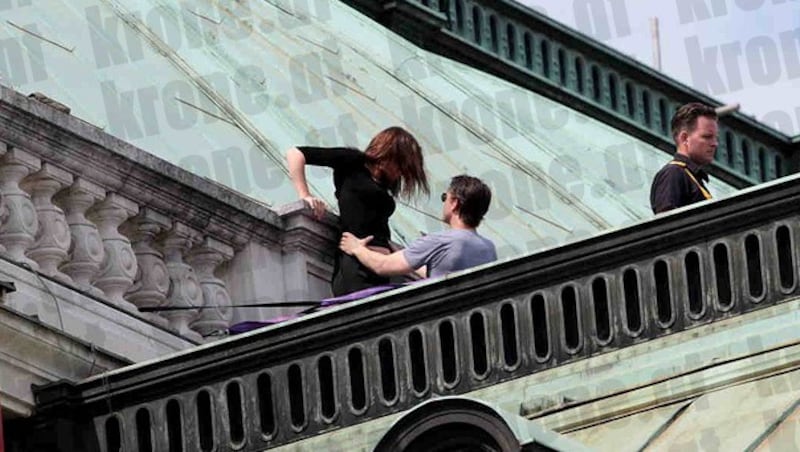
682, 181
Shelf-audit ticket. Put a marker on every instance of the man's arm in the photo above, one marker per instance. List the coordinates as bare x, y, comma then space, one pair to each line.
382, 264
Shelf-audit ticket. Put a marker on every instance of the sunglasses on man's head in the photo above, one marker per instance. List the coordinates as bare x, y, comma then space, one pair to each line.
444, 197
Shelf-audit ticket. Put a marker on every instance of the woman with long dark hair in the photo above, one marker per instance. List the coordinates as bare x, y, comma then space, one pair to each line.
366, 184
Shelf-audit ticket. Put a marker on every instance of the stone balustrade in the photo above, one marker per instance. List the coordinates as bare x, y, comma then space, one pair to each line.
104, 218
627, 295
71, 229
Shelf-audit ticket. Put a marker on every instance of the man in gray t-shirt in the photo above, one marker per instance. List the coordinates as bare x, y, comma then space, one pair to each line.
449, 251
464, 205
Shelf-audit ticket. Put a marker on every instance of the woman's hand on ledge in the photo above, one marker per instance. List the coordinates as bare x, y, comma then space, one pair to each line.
317, 205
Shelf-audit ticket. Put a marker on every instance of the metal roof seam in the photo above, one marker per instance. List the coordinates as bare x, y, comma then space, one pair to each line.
502, 150
181, 65
762, 439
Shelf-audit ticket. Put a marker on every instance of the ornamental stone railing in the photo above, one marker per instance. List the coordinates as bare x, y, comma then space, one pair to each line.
102, 217
512, 41
687, 269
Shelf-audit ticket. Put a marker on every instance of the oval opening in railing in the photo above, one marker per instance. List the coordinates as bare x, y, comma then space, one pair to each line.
233, 398
447, 351
541, 335
358, 383
113, 434
266, 405
633, 308
144, 432
722, 271
755, 280
508, 330
297, 403
386, 358
663, 295
419, 371
174, 427
477, 329
783, 248
602, 316
694, 283
327, 388
571, 323
205, 421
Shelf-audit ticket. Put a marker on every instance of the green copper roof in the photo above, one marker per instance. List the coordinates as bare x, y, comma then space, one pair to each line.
224, 88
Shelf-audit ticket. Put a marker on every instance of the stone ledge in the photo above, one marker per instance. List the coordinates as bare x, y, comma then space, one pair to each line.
41, 354
87, 318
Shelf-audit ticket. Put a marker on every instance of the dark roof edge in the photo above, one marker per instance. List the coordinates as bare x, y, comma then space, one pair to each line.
634, 64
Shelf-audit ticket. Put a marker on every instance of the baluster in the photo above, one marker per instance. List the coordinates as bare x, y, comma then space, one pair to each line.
86, 252
18, 231
185, 291
53, 236
151, 284
119, 263
216, 313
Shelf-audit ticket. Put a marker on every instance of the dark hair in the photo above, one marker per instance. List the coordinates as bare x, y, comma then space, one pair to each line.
473, 198
685, 118
395, 160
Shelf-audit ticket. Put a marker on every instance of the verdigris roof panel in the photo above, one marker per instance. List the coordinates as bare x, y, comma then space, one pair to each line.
223, 89
734, 418
629, 433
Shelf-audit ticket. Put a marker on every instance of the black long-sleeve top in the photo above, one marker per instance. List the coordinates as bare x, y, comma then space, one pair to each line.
364, 205
672, 187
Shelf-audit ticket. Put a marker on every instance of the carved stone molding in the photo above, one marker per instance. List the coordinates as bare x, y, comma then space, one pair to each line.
18, 231
86, 251
118, 269
216, 313
53, 236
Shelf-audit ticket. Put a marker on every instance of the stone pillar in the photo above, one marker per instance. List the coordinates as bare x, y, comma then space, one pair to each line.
151, 284
18, 232
308, 252
53, 236
185, 292
86, 248
216, 313
119, 264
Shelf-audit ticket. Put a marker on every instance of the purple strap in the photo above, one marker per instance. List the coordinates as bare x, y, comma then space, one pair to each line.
243, 327
359, 294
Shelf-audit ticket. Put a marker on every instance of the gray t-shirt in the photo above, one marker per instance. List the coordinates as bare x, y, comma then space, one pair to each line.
449, 251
